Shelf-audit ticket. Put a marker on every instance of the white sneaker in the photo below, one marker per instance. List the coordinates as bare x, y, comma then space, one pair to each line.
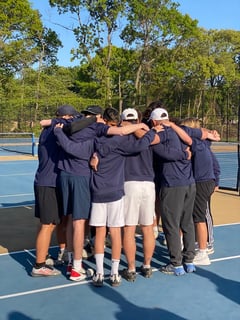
201, 258
45, 272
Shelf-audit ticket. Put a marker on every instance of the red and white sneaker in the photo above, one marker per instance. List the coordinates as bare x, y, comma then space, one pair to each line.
69, 269
46, 271
78, 275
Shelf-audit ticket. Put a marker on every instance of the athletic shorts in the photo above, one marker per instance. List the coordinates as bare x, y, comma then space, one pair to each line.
202, 200
76, 195
139, 202
108, 214
47, 204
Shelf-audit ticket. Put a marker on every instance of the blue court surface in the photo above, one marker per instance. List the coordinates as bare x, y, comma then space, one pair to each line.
213, 292
16, 188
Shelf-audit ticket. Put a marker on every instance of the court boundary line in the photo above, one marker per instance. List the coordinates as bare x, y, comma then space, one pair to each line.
226, 224
16, 195
24, 293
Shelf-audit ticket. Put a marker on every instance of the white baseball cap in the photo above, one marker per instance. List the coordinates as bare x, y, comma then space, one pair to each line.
129, 114
159, 114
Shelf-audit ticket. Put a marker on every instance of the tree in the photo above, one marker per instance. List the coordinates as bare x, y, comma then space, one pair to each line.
151, 26
96, 21
23, 43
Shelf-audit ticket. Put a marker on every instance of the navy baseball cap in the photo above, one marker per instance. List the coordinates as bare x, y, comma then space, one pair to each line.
93, 110
65, 110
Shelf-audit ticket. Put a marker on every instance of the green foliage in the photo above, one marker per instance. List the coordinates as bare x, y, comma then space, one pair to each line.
130, 53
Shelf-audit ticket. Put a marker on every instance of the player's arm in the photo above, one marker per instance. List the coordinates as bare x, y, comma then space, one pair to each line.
46, 123
179, 131
78, 125
140, 133
80, 150
125, 130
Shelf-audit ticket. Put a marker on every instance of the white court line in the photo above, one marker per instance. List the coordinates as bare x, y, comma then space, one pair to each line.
226, 224
30, 253
223, 259
16, 195
17, 174
24, 293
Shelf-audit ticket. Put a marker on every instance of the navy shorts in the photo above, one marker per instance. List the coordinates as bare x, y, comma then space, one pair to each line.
47, 204
202, 200
76, 195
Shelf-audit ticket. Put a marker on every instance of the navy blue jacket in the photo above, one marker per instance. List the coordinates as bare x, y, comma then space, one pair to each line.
179, 172
205, 164
108, 181
48, 156
72, 163
139, 166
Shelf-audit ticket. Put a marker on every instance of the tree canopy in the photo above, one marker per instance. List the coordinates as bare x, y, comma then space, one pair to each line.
130, 53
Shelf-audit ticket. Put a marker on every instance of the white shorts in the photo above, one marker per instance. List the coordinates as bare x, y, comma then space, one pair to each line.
139, 203
110, 214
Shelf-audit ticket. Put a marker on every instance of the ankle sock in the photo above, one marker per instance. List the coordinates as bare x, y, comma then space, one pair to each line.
39, 265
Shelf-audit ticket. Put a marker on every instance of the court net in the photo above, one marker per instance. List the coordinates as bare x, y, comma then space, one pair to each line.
228, 156
20, 142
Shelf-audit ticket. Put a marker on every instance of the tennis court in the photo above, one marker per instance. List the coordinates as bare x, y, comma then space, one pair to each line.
17, 176
210, 293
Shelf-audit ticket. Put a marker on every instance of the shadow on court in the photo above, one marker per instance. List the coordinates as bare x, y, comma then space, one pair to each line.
129, 311
19, 316
18, 229
226, 287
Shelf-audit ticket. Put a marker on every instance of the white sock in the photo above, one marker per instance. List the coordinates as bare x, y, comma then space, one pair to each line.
77, 264
115, 266
99, 263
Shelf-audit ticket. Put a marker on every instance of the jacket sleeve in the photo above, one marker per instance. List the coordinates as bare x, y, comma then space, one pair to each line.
133, 145
81, 150
78, 125
169, 154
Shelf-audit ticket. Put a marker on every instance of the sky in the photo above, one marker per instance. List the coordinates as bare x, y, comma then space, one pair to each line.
211, 14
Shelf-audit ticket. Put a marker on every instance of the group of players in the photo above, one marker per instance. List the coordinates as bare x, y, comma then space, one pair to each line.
103, 173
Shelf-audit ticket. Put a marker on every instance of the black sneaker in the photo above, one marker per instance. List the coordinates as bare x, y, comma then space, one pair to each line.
115, 280
129, 275
97, 280
170, 269
146, 272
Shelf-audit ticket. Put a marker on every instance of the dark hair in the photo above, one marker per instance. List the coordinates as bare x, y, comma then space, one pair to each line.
111, 114
153, 105
156, 104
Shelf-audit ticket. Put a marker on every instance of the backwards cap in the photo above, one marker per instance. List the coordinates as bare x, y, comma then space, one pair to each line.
129, 114
159, 114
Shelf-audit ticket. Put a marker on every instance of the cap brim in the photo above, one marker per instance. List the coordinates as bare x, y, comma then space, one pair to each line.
88, 112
